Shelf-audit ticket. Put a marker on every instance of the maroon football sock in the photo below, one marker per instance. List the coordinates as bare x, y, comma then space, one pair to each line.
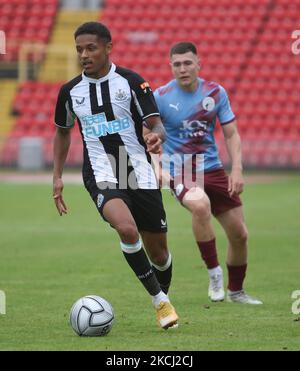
209, 253
236, 276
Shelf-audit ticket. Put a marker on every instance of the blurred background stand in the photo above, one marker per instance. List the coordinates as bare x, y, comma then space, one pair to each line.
30, 154
81, 4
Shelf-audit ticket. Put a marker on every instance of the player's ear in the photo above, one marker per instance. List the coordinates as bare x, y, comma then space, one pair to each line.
171, 65
108, 47
199, 65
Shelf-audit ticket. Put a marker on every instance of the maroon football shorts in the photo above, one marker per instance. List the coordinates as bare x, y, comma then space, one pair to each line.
216, 188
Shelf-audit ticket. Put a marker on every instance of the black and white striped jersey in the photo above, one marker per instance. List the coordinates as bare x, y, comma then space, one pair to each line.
110, 113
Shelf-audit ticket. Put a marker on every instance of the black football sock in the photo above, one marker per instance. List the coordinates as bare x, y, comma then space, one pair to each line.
139, 263
164, 274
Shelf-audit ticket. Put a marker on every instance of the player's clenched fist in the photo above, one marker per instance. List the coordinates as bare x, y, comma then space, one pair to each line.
153, 142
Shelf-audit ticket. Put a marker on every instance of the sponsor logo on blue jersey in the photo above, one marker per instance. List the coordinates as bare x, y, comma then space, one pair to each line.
193, 129
98, 126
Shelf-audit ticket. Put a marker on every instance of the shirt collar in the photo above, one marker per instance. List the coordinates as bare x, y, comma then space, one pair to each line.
101, 79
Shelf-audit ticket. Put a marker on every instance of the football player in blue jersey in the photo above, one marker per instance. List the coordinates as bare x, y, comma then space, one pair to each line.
190, 107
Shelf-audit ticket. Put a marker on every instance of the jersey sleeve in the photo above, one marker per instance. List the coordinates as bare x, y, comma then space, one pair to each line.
143, 97
225, 113
64, 116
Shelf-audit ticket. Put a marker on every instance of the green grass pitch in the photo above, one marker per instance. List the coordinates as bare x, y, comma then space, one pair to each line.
47, 262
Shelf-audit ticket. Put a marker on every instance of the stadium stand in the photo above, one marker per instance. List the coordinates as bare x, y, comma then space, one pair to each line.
245, 46
270, 121
33, 106
26, 20
57, 65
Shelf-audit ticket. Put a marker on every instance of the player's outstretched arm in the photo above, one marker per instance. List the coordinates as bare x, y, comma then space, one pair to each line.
62, 142
233, 144
157, 134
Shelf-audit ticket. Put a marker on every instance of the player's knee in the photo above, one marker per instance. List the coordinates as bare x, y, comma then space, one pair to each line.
201, 210
241, 235
127, 232
244, 236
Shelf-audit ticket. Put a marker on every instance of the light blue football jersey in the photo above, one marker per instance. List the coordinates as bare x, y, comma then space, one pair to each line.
190, 120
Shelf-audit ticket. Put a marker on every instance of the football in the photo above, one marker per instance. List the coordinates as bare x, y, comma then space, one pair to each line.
92, 316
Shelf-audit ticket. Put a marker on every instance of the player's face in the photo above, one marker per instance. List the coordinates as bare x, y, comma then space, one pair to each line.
93, 54
185, 68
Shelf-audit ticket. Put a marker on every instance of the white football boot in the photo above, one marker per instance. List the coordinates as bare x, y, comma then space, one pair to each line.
242, 297
216, 287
